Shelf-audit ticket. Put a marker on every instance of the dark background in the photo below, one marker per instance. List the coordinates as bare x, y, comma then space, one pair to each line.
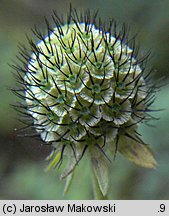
22, 161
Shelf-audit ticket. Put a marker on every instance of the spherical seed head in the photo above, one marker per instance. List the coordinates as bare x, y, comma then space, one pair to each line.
85, 89
78, 78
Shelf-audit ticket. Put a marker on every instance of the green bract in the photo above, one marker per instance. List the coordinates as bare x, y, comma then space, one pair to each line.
86, 91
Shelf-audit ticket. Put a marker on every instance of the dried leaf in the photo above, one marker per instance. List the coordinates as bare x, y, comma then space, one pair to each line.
101, 172
137, 152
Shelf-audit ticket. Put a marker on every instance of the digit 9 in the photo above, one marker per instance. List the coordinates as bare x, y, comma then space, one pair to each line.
162, 207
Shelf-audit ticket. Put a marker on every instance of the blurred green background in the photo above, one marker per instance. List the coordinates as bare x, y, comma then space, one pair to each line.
22, 161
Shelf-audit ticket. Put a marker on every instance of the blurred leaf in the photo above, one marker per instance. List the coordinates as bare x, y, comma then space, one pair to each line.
101, 172
136, 152
69, 179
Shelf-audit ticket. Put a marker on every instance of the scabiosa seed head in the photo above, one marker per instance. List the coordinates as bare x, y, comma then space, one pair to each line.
86, 91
